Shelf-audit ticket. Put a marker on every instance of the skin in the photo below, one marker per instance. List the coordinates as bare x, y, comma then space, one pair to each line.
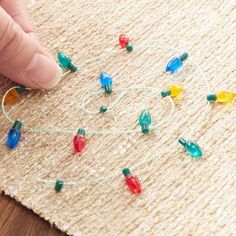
22, 58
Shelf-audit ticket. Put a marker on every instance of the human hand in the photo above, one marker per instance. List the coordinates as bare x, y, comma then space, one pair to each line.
22, 58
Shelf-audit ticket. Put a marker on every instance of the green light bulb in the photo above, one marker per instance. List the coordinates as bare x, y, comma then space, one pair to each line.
145, 120
65, 62
191, 147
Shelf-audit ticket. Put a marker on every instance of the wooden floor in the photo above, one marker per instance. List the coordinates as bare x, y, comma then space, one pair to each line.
16, 220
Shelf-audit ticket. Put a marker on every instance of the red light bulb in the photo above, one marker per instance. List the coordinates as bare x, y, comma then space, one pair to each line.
132, 181
79, 141
123, 40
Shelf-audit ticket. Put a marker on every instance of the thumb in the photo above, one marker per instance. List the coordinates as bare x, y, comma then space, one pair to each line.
22, 59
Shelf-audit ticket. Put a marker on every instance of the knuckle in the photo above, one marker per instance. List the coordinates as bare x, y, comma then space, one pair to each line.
10, 39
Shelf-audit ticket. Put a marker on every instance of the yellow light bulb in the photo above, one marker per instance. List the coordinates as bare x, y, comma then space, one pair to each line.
175, 90
225, 97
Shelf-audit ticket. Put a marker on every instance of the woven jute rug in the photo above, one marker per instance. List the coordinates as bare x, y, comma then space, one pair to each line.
180, 196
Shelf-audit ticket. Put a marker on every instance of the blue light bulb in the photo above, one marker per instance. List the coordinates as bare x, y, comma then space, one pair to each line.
191, 147
14, 135
176, 63
105, 79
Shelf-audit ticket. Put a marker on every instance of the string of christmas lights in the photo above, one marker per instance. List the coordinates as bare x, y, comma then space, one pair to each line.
145, 120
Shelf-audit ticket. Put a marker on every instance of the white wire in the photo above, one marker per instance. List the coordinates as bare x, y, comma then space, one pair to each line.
84, 102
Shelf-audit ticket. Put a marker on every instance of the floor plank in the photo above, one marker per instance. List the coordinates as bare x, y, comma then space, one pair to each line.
15, 219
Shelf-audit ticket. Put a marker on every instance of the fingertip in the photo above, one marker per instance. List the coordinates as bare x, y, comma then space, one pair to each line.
43, 71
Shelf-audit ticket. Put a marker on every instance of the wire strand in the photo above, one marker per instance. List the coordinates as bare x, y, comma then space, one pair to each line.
123, 92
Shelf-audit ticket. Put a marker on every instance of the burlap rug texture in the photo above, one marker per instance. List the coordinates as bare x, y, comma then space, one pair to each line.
180, 196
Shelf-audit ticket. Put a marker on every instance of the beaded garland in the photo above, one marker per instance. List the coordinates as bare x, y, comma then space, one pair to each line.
145, 119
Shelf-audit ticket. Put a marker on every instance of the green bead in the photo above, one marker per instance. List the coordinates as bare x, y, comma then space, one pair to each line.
81, 132
129, 47
165, 93
108, 89
103, 109
184, 56
72, 67
145, 129
211, 97
191, 147
58, 186
17, 125
63, 59
20, 89
126, 171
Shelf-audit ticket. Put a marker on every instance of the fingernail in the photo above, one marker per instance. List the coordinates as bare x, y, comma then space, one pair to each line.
43, 71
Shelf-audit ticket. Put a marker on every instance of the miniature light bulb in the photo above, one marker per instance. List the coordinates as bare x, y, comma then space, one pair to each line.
123, 40
145, 120
79, 141
132, 181
176, 63
106, 82
14, 135
173, 91
105, 79
65, 62
14, 95
191, 147
223, 97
